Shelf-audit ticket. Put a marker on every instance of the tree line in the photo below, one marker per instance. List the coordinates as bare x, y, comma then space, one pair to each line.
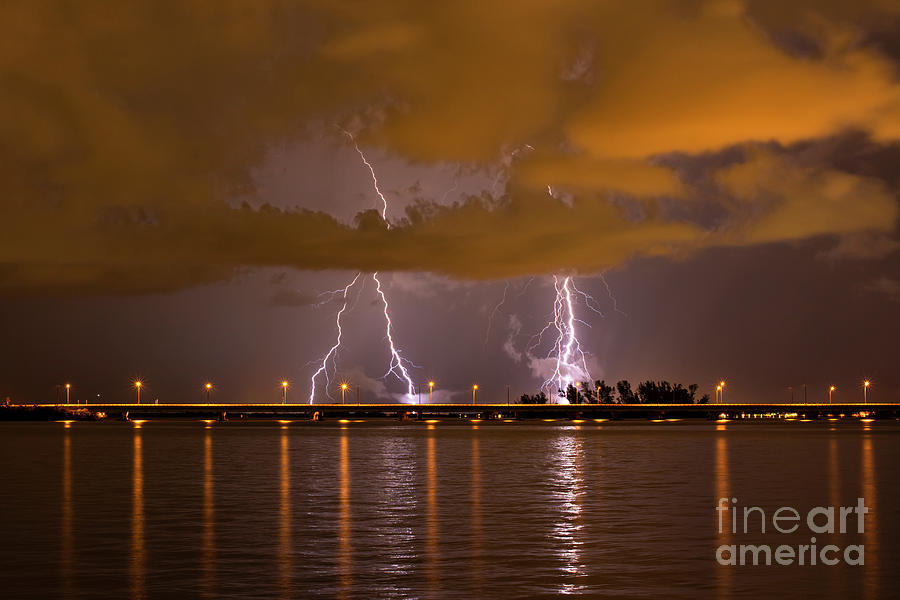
647, 392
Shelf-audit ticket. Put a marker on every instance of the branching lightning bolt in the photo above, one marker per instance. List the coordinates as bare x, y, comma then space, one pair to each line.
332, 353
397, 365
571, 363
396, 368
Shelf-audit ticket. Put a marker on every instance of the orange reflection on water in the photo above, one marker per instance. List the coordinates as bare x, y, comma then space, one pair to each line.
208, 547
432, 533
477, 541
285, 562
67, 509
345, 545
870, 535
137, 566
723, 490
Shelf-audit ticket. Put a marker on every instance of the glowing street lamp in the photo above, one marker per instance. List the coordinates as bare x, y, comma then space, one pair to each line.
137, 386
68, 387
343, 390
284, 387
430, 392
722, 391
474, 391
208, 387
718, 392
830, 391
866, 384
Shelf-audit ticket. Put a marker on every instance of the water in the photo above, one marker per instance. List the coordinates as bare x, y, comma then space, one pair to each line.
447, 510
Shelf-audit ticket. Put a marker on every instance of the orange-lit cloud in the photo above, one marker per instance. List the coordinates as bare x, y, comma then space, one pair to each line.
127, 128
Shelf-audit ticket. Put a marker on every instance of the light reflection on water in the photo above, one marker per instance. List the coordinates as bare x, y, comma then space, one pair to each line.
441, 511
870, 493
137, 572
285, 553
65, 529
345, 545
723, 490
568, 489
208, 547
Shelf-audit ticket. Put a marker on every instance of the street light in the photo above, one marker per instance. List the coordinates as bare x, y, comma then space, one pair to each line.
208, 390
718, 392
430, 392
137, 385
343, 390
474, 391
284, 387
722, 392
866, 384
577, 385
68, 387
830, 391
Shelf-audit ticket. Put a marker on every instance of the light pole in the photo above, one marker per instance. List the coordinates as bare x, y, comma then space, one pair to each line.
137, 385
718, 393
577, 385
830, 391
430, 392
866, 384
284, 387
68, 387
343, 390
208, 387
474, 391
722, 393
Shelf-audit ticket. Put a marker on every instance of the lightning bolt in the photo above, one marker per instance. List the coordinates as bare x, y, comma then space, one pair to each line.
396, 368
611, 297
487, 333
384, 202
332, 353
571, 363
397, 365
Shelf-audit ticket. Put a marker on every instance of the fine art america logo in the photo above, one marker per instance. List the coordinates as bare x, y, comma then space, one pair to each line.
820, 520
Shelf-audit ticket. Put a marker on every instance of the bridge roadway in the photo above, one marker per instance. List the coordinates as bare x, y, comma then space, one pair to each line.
486, 411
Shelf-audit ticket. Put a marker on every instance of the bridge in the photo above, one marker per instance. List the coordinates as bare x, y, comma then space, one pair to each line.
485, 411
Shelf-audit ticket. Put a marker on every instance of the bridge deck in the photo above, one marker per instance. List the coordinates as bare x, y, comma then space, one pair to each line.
881, 410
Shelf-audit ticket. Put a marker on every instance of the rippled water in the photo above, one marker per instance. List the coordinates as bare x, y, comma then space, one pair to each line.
447, 510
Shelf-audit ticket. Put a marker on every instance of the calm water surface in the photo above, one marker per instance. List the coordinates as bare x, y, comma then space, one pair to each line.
453, 509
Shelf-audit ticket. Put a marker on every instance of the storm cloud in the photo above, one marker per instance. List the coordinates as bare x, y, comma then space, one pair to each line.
130, 129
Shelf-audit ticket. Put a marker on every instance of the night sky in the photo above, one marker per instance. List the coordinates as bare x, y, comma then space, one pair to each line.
180, 188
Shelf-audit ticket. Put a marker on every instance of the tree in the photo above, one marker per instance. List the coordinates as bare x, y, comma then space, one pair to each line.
626, 396
692, 389
540, 398
604, 393
587, 393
